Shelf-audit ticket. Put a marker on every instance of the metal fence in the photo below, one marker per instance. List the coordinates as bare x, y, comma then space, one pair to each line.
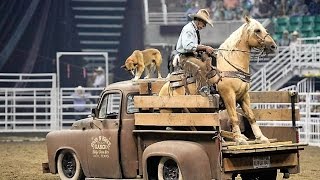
309, 124
67, 107
42, 107
46, 109
28, 109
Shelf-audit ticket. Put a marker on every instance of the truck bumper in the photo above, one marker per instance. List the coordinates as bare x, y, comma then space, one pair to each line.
45, 168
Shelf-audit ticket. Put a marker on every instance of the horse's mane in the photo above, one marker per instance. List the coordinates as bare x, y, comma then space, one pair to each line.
237, 35
234, 38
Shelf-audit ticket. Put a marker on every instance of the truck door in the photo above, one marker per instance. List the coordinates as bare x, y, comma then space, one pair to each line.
102, 138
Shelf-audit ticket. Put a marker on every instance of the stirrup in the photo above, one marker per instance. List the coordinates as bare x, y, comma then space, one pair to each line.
204, 91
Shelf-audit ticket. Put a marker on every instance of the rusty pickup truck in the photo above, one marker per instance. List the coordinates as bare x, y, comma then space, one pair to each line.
127, 137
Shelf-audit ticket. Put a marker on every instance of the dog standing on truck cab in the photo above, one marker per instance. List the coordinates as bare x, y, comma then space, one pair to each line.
140, 60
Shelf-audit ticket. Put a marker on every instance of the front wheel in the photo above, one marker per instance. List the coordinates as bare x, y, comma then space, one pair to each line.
168, 169
69, 167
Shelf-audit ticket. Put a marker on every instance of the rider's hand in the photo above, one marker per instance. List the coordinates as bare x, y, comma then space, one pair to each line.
209, 50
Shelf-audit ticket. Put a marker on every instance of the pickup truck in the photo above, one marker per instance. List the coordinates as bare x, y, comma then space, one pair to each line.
127, 137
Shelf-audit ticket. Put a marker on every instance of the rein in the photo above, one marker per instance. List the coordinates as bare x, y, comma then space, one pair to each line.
231, 50
238, 69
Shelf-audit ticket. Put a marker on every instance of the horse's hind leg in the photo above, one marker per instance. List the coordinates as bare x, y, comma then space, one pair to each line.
245, 105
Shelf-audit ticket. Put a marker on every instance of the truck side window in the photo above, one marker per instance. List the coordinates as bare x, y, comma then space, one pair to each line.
110, 107
130, 105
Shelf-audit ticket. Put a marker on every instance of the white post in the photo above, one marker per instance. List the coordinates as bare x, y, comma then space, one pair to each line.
146, 11
107, 68
308, 110
164, 11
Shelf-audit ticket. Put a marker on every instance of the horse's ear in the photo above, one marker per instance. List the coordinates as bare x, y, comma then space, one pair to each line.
247, 19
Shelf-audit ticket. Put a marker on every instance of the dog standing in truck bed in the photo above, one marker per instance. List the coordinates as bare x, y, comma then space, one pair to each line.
138, 61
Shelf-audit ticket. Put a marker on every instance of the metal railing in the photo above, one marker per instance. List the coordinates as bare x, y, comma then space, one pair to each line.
309, 107
38, 110
28, 109
67, 107
292, 59
163, 17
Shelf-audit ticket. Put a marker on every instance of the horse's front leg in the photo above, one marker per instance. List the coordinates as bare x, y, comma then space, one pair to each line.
245, 105
230, 103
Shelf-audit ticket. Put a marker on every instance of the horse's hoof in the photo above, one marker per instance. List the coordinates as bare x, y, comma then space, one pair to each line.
241, 141
262, 140
169, 129
244, 137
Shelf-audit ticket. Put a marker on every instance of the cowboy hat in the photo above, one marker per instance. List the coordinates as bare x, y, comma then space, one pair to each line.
79, 89
295, 33
99, 69
202, 14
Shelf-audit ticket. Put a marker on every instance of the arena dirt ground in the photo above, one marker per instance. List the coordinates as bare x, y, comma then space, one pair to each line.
22, 161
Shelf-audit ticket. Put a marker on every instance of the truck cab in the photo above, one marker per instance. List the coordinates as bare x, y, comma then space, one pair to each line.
125, 140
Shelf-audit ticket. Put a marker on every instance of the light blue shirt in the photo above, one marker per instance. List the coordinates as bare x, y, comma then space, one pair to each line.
80, 101
188, 40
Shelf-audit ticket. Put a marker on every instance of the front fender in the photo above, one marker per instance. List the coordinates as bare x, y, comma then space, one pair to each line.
190, 157
66, 139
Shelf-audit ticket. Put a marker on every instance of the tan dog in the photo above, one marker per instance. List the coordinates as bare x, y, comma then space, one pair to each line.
141, 60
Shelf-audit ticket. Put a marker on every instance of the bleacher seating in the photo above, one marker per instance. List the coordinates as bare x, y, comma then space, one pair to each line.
307, 26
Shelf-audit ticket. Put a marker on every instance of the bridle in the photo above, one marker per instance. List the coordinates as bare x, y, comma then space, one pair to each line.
261, 41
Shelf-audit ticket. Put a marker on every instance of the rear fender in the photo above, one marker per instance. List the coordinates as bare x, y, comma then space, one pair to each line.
190, 157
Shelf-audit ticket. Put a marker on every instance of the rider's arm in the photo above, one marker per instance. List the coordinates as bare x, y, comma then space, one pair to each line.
205, 48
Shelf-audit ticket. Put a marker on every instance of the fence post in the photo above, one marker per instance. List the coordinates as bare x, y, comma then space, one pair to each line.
164, 11
146, 11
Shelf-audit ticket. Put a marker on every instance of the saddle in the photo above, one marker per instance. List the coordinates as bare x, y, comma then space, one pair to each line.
179, 79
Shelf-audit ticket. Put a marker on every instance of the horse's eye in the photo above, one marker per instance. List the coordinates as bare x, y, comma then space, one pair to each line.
257, 30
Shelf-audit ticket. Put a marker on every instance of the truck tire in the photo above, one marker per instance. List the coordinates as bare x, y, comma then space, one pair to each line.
266, 175
168, 169
69, 167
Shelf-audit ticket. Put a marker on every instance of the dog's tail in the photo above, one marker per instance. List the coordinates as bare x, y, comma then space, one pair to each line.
156, 56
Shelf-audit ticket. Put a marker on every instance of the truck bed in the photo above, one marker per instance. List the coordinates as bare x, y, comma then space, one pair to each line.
231, 148
277, 155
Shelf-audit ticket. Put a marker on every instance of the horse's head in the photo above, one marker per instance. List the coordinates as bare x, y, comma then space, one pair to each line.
258, 37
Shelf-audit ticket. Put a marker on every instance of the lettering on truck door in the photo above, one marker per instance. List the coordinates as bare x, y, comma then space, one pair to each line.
102, 139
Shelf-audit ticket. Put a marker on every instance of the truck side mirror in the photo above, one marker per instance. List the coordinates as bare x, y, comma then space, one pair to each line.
94, 113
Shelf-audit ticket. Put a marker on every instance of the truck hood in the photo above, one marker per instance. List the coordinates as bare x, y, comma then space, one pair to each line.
82, 124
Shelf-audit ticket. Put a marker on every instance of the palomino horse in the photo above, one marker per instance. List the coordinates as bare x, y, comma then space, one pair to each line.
232, 79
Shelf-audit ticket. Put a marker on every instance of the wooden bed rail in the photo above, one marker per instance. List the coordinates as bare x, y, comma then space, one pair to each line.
149, 99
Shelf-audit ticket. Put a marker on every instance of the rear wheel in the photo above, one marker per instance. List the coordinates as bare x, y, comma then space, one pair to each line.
69, 167
168, 169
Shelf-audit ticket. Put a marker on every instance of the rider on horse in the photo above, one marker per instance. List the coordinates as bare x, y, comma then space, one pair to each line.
195, 58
